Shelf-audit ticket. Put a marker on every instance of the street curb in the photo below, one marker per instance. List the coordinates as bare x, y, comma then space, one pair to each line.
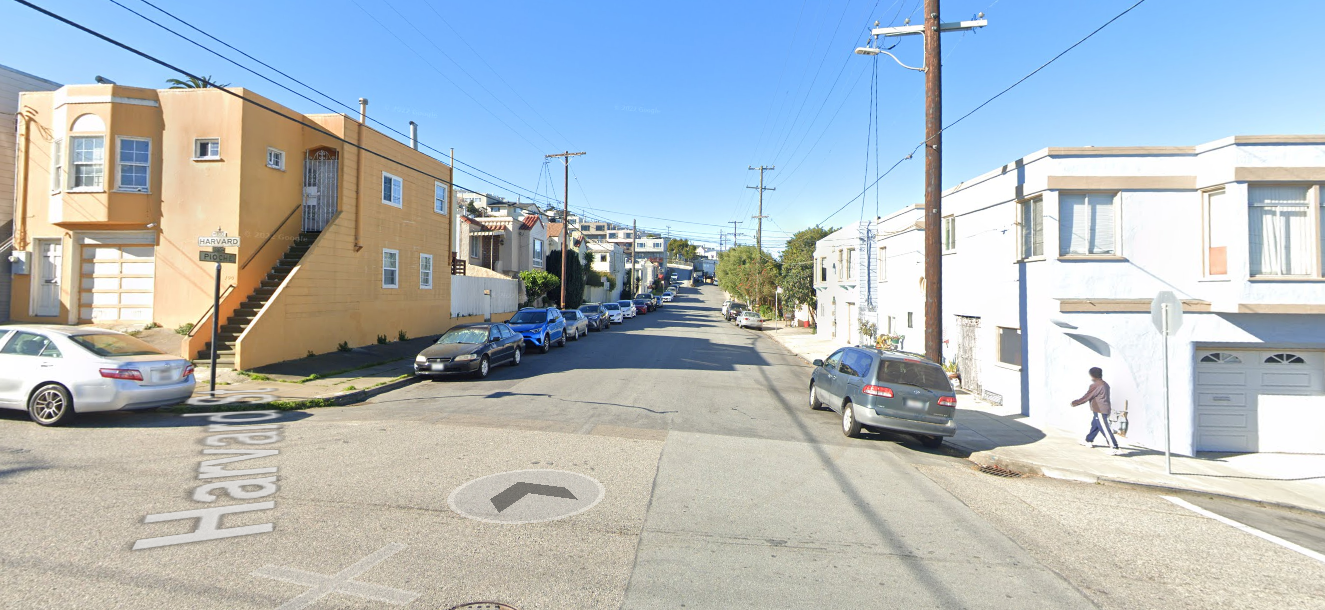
358, 396
338, 400
987, 458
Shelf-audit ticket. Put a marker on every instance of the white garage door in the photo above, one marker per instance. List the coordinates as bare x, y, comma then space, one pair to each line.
117, 283
1260, 400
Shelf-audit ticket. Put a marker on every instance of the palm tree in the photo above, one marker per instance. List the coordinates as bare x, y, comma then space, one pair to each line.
193, 83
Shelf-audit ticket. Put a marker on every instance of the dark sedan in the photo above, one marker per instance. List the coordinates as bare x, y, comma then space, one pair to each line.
647, 298
470, 349
596, 315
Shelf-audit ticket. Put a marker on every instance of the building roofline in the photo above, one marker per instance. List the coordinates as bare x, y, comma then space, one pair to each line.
31, 75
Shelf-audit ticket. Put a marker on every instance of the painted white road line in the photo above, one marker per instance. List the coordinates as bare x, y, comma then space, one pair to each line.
1247, 528
342, 582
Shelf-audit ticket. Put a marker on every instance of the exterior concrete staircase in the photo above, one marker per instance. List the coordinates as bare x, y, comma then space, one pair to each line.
235, 325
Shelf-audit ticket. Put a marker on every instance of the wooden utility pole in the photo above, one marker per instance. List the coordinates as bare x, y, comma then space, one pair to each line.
734, 223
933, 69
933, 184
565, 213
634, 283
759, 231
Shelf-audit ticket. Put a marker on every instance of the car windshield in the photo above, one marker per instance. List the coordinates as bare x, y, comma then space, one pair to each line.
919, 374
109, 344
611, 306
529, 317
589, 308
626, 304
571, 314
464, 335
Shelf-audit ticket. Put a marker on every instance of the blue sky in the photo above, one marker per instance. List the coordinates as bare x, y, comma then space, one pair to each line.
673, 101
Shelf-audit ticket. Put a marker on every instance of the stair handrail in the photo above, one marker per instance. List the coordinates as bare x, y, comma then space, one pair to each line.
224, 293
271, 235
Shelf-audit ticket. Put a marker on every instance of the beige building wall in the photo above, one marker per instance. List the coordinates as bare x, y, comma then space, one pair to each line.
12, 83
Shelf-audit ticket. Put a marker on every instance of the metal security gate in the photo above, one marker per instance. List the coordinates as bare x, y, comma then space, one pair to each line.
969, 328
321, 168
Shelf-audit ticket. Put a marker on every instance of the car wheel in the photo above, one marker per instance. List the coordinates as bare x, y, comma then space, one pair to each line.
546, 346
850, 426
484, 367
517, 356
815, 403
562, 342
50, 405
931, 442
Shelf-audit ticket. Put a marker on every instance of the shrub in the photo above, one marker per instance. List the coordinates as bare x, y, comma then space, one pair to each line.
344, 346
401, 336
184, 328
381, 339
151, 325
311, 354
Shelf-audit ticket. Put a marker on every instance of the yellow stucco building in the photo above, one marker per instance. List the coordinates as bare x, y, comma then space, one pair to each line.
338, 243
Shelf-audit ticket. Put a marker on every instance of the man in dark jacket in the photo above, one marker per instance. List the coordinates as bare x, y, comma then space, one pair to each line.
1098, 397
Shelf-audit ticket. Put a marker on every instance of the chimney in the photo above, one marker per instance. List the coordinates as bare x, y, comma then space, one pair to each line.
414, 135
363, 110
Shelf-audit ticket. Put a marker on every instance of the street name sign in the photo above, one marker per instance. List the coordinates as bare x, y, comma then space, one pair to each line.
217, 257
213, 241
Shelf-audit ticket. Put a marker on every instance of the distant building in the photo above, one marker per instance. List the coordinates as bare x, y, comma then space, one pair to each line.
12, 82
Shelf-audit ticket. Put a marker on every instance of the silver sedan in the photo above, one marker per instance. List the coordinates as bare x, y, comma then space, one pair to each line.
53, 372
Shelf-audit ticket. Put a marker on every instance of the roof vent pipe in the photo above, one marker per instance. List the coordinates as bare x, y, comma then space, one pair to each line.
414, 135
363, 110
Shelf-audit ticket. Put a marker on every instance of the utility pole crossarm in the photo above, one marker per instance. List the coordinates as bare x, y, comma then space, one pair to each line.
951, 26
565, 214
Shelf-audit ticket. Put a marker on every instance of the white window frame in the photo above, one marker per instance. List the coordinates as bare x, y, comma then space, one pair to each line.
949, 234
73, 167
535, 250
213, 157
1207, 231
1115, 206
1315, 227
280, 155
397, 199
119, 165
1024, 231
57, 165
475, 245
998, 339
850, 264
425, 271
395, 270
883, 263
440, 204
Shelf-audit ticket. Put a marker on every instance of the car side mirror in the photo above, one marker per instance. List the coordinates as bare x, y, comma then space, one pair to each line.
818, 362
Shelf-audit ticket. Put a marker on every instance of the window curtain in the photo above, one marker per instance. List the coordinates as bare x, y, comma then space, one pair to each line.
1280, 238
1086, 223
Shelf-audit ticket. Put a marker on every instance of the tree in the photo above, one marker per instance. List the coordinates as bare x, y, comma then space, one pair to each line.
574, 282
536, 284
797, 278
748, 274
681, 249
193, 83
474, 211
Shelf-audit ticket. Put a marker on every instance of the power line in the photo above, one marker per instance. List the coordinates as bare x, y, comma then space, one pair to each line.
301, 83
988, 101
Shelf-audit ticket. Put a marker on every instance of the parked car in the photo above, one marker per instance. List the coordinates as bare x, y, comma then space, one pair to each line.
642, 305
734, 310
627, 308
615, 315
725, 306
56, 372
540, 326
470, 349
884, 390
667, 296
749, 319
648, 298
596, 316
577, 325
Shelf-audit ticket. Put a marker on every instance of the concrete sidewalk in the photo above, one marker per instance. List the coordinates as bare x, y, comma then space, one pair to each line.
1001, 436
332, 378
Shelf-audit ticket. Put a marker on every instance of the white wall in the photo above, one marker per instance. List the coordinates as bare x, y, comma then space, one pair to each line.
467, 298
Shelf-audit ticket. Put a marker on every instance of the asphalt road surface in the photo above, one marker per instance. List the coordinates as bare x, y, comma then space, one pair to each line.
680, 466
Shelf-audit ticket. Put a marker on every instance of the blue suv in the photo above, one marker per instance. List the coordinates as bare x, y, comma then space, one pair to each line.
540, 326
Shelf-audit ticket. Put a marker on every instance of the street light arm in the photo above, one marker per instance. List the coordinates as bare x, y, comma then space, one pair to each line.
876, 51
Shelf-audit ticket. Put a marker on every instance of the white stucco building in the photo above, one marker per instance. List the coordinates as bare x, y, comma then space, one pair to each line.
872, 271
1051, 262
610, 259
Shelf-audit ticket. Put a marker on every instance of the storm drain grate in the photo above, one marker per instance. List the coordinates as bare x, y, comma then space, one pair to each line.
999, 472
483, 606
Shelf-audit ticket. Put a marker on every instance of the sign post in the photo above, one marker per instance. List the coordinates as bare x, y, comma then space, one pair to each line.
1166, 313
218, 241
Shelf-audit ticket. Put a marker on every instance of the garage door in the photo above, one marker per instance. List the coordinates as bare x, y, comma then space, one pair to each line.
117, 283
1260, 400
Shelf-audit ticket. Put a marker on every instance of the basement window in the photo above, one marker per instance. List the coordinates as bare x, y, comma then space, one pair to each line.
1009, 346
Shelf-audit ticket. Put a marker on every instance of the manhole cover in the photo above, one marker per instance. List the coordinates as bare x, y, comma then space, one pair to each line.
526, 496
483, 606
999, 472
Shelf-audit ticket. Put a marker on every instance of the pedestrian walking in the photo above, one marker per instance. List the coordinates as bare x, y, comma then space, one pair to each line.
1098, 397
